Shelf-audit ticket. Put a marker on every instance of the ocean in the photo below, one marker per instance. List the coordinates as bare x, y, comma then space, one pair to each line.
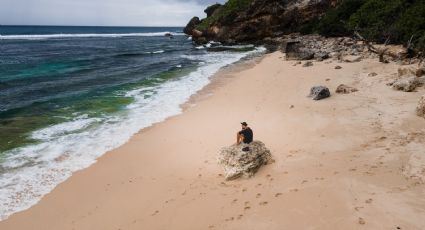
70, 94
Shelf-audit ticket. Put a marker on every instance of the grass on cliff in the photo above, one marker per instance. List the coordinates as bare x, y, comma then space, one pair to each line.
225, 14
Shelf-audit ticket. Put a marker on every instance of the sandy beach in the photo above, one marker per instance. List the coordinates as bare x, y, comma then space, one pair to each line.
351, 161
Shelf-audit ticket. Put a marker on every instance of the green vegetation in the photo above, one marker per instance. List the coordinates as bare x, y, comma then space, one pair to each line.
226, 13
376, 20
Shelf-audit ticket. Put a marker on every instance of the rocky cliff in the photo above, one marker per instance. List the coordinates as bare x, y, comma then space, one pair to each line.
253, 20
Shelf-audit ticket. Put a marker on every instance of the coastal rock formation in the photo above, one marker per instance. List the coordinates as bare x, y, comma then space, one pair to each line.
237, 162
345, 89
420, 109
254, 20
319, 92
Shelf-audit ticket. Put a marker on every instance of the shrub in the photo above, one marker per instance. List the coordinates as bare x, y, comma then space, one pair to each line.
226, 13
334, 22
375, 19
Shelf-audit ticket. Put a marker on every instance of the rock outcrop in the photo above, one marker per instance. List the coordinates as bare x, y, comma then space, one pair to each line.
319, 92
420, 109
237, 162
256, 19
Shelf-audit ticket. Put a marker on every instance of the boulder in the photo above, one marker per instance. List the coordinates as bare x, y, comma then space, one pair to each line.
338, 67
373, 74
295, 50
420, 108
237, 162
407, 84
319, 92
191, 25
345, 89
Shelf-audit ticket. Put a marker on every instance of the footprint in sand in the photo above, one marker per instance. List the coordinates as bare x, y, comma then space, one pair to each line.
358, 208
361, 221
234, 201
258, 195
368, 201
278, 194
294, 190
246, 203
264, 203
244, 189
304, 181
240, 216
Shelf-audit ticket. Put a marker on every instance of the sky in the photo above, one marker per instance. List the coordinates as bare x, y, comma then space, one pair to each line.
102, 12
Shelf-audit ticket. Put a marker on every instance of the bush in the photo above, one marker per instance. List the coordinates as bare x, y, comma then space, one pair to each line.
375, 19
412, 23
226, 13
334, 22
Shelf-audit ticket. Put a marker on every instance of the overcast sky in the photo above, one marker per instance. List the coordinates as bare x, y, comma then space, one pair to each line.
102, 12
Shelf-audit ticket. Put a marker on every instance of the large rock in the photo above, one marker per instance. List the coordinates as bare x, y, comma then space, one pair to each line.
407, 84
420, 109
319, 92
237, 162
294, 50
191, 25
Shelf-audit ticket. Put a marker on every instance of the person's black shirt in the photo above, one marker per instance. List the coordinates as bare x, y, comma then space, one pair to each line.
247, 134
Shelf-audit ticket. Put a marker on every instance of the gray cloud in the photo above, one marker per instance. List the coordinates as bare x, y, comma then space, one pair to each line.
101, 12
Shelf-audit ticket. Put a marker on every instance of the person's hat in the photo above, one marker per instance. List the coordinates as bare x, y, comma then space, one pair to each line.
244, 123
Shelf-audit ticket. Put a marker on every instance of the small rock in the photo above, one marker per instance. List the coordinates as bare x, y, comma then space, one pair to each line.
373, 74
338, 67
344, 89
420, 72
420, 108
308, 64
352, 58
406, 84
319, 92
292, 106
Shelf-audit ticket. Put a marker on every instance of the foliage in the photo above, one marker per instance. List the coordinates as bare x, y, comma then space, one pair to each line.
227, 12
375, 19
334, 22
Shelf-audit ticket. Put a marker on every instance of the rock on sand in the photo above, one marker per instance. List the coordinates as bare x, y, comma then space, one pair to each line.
237, 162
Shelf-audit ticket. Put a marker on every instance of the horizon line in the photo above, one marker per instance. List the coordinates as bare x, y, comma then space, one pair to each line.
85, 25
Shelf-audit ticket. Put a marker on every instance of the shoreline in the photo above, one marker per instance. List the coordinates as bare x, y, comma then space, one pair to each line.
328, 171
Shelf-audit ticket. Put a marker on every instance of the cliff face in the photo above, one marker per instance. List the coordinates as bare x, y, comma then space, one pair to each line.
253, 20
